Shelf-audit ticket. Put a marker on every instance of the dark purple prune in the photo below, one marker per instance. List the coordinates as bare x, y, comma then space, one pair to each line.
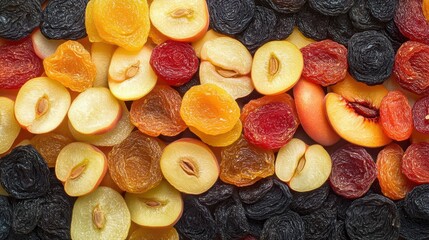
416, 202
391, 31
339, 232
412, 228
31, 236
5, 217
231, 219
196, 222
371, 57
195, 80
24, 174
255, 227
341, 29
288, 226
319, 224
284, 26
331, 7
230, 16
284, 6
274, 202
307, 202
312, 24
362, 18
259, 30
382, 10
64, 19
337, 204
220, 191
18, 18
256, 191
372, 217
26, 214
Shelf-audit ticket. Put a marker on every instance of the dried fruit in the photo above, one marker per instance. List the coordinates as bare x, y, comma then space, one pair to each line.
412, 228
414, 162
307, 202
19, 18
411, 21
312, 24
26, 214
230, 16
285, 6
341, 29
382, 10
284, 26
49, 146
392, 32
331, 8
416, 202
220, 140
5, 217
319, 224
256, 191
144, 233
217, 193
361, 17
288, 226
231, 219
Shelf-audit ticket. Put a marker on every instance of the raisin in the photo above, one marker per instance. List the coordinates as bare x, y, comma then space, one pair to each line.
284, 26
49, 146
416, 202
412, 67
382, 10
396, 116
255, 192
373, 217
370, 57
288, 226
414, 162
243, 164
331, 8
353, 171
412, 228
319, 224
231, 219
307, 202
174, 62
341, 29
26, 214
134, 163
284, 6
411, 21
19, 64
24, 174
230, 16
64, 19
5, 217
217, 193
361, 17
325, 62
18, 18
312, 24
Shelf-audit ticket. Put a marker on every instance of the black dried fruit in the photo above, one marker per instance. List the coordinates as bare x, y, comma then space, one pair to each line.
307, 202
284, 26
382, 10
256, 191
372, 217
26, 214
284, 6
230, 16
288, 226
31, 236
5, 217
220, 191
18, 18
196, 222
319, 224
259, 30
312, 24
331, 7
256, 227
341, 29
64, 19
362, 18
417, 202
24, 174
231, 219
412, 228
339, 232
370, 57
274, 202
392, 32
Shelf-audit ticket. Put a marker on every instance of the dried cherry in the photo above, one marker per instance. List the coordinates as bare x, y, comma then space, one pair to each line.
415, 164
331, 8
308, 202
287, 226
411, 21
362, 18
284, 6
18, 18
5, 217
417, 202
49, 146
312, 24
341, 29
230, 16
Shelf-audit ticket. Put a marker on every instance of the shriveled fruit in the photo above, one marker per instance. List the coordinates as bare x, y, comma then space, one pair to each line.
134, 163
72, 66
393, 182
396, 116
19, 18
415, 164
425, 7
411, 21
258, 102
158, 113
49, 146
220, 140
421, 115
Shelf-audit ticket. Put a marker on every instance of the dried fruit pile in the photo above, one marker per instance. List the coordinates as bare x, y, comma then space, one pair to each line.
214, 119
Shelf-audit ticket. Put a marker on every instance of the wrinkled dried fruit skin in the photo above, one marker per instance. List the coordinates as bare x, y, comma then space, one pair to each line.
18, 18
417, 202
5, 217
174, 62
361, 17
31, 236
217, 193
392, 32
339, 232
319, 224
19, 64
256, 191
411, 22
340, 29
134, 163
49, 146
284, 6
258, 101
373, 217
325, 62
64, 19
412, 228
26, 215
231, 219
288, 226
24, 174
353, 171
195, 80
243, 164
230, 16
307, 202
412, 67
312, 24
284, 26
370, 57
382, 10
415, 164
337, 204
331, 7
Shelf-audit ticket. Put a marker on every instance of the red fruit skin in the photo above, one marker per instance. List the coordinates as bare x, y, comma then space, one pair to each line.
411, 21
420, 115
415, 162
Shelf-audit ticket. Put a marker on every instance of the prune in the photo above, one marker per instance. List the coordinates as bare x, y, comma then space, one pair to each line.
230, 16
307, 202
393, 31
417, 202
26, 214
256, 191
259, 30
19, 64
415, 165
18, 18
284, 26
196, 222
373, 217
382, 10
24, 174
337, 204
243, 164
353, 171
340, 29
412, 67
49, 146
5, 217
231, 219
287, 226
412, 228
256, 227
331, 8
319, 224
217, 193
370, 57
312, 24
31, 236
64, 19
325, 62
339, 232
285, 6
361, 17
411, 21
274, 202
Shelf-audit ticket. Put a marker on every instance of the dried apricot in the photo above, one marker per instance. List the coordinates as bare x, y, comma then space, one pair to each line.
421, 115
425, 8
210, 109
393, 182
221, 140
415, 164
396, 116
72, 66
411, 21
158, 113
49, 146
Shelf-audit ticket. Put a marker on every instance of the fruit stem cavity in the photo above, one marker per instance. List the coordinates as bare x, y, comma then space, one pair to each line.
132, 70
98, 217
42, 106
182, 12
273, 65
188, 167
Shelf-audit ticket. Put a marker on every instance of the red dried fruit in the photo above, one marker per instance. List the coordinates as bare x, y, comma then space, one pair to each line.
353, 171
271, 126
174, 62
18, 64
325, 62
415, 164
396, 116
411, 21
421, 115
412, 67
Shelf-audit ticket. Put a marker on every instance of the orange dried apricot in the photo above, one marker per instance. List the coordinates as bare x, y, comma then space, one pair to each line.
425, 7
91, 29
49, 146
221, 140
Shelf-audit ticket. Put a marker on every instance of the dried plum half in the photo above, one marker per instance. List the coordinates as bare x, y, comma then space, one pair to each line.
391, 31
284, 6
284, 26
231, 219
5, 217
230, 16
312, 24
331, 7
417, 202
307, 202
18, 18
288, 226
